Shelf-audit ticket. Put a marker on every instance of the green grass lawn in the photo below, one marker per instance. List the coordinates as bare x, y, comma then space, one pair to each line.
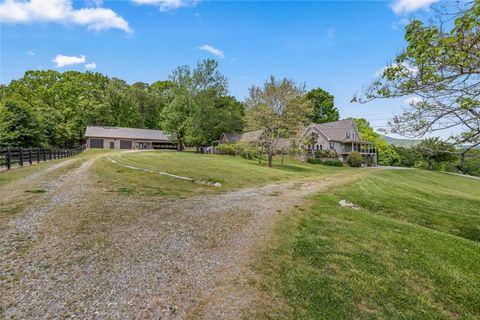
231, 172
410, 252
430, 199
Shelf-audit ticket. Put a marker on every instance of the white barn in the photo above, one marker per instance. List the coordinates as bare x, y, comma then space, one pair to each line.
127, 138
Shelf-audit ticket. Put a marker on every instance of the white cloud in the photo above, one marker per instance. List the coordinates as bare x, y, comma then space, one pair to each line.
94, 3
60, 11
406, 6
63, 61
212, 50
406, 69
413, 100
165, 5
30, 53
91, 65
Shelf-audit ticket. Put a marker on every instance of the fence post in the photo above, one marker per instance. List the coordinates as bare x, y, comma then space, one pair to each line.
8, 158
30, 154
20, 157
49, 154
44, 155
38, 155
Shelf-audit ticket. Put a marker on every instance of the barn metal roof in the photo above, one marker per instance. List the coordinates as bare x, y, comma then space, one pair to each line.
126, 133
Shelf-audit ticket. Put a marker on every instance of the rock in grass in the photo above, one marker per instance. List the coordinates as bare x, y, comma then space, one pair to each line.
217, 184
348, 204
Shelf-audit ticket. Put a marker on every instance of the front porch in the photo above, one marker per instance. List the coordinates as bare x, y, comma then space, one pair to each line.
367, 149
364, 147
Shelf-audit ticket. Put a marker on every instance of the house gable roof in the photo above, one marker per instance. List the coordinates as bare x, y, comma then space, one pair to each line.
245, 137
232, 137
126, 133
252, 136
337, 130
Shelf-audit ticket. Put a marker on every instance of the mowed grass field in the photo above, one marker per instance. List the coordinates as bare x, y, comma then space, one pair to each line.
411, 252
231, 172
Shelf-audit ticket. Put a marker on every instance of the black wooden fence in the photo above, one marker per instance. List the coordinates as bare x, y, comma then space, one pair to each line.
10, 157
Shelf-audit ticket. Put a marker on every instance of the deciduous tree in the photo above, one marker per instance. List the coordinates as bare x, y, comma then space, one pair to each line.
440, 68
279, 108
18, 126
324, 109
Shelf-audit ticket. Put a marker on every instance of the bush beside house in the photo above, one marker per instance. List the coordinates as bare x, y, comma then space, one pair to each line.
238, 149
354, 159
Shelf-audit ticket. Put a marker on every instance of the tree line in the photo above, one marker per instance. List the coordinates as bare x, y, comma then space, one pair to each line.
47, 108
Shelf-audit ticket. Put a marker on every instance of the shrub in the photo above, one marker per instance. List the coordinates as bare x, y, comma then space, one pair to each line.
354, 159
333, 163
238, 149
325, 154
472, 167
314, 161
226, 148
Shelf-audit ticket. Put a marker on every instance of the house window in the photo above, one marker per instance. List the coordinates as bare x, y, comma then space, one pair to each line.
317, 146
332, 145
321, 147
348, 135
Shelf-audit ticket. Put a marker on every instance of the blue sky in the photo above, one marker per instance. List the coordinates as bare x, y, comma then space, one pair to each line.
335, 45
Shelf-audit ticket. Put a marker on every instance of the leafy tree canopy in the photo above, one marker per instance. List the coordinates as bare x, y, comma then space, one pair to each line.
324, 109
280, 109
18, 126
440, 68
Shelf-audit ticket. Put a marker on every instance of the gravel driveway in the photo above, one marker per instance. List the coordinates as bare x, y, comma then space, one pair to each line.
85, 253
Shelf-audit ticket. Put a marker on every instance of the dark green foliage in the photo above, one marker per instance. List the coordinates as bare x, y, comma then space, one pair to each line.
471, 165
354, 159
314, 161
238, 149
406, 156
201, 110
324, 109
386, 152
18, 126
193, 106
65, 103
326, 154
434, 153
332, 163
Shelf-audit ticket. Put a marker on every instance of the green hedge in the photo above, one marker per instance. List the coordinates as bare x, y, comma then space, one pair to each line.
238, 149
333, 163
325, 154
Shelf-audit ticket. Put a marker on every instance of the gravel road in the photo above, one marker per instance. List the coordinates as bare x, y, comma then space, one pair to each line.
89, 254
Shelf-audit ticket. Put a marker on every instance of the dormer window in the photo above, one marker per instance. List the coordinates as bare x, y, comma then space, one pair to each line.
348, 134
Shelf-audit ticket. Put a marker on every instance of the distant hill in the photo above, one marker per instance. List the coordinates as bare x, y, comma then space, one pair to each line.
406, 143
